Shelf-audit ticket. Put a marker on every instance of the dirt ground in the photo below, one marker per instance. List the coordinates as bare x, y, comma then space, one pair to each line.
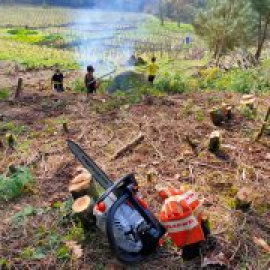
164, 152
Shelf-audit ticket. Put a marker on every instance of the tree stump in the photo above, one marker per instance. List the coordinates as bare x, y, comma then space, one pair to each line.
83, 184
227, 112
18, 90
83, 208
243, 199
79, 186
214, 142
216, 116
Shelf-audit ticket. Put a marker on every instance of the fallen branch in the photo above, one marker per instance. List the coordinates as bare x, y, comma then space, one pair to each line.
128, 146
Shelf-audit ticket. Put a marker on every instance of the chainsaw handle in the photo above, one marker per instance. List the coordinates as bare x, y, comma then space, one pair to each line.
124, 182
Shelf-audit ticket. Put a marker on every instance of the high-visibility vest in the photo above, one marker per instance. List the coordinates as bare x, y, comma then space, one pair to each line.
181, 216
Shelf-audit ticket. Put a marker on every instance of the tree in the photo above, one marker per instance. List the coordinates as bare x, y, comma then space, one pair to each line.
178, 7
225, 25
262, 8
161, 11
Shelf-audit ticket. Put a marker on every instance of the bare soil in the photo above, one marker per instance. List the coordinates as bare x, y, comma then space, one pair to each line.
164, 152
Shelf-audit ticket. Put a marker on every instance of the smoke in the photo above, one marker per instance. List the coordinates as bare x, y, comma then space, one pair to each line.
103, 34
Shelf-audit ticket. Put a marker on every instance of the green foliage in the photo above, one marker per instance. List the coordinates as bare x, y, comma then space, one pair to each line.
78, 86
33, 253
20, 217
225, 25
248, 113
172, 85
4, 94
76, 233
31, 36
12, 127
237, 80
13, 186
63, 253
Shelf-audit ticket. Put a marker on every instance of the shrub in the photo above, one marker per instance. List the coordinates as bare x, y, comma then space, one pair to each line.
172, 85
13, 186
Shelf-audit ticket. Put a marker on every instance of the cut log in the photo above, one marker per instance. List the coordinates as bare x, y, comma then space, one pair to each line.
214, 142
128, 146
264, 126
83, 208
243, 199
18, 90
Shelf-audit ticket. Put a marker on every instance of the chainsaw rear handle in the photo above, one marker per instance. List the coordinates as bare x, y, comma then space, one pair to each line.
120, 184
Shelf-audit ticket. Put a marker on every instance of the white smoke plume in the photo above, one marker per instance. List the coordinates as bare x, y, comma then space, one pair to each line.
102, 34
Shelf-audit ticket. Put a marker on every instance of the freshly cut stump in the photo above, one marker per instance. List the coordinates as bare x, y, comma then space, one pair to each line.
214, 142
243, 200
83, 184
83, 208
80, 186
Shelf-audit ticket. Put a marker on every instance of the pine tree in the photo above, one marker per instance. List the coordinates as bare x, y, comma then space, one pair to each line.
225, 25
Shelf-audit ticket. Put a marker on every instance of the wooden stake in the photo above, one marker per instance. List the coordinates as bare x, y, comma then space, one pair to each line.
65, 127
264, 126
18, 89
128, 146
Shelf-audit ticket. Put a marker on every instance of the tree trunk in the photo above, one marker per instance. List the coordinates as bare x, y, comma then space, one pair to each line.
161, 15
261, 37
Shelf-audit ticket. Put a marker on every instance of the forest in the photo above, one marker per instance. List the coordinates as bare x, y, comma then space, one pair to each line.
134, 134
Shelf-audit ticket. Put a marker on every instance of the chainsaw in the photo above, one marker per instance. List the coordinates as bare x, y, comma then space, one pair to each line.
132, 230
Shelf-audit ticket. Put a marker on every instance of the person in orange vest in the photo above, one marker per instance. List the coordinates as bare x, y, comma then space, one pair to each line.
182, 216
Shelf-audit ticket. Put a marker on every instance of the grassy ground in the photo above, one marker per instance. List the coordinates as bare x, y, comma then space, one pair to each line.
36, 225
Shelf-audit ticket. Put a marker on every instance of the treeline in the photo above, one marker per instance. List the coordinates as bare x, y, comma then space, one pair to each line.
227, 25
136, 5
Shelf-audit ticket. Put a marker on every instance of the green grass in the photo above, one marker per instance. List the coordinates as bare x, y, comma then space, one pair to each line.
34, 56
30, 36
4, 94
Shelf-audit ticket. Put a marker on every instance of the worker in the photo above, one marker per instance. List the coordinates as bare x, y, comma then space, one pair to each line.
91, 83
152, 70
57, 81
